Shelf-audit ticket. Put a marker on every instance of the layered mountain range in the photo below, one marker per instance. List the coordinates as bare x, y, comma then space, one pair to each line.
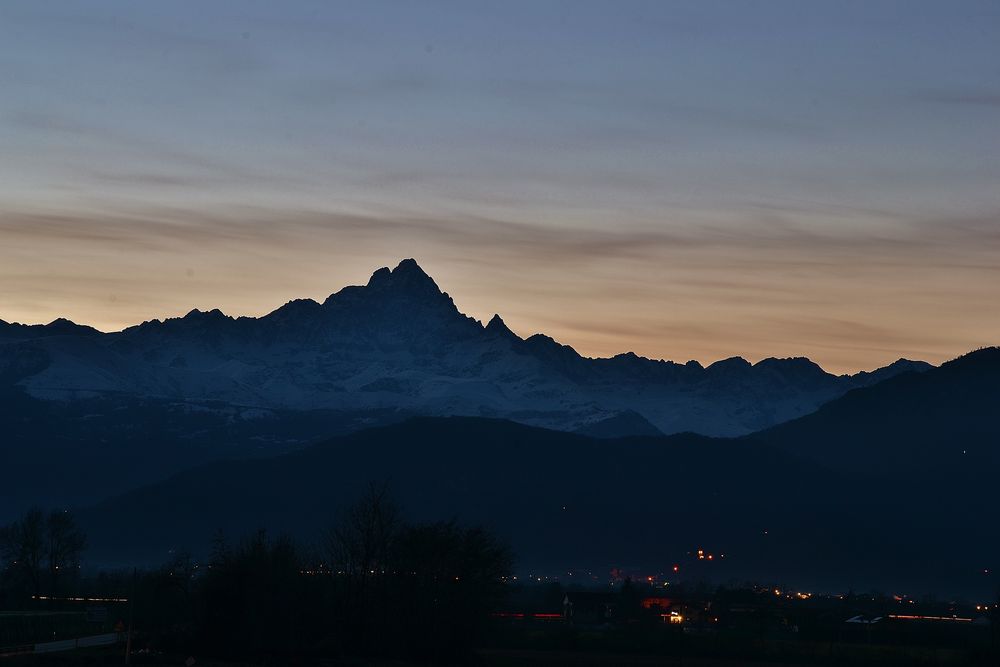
890, 487
399, 343
831, 480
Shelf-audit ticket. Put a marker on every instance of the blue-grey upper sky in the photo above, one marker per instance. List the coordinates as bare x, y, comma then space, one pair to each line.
682, 179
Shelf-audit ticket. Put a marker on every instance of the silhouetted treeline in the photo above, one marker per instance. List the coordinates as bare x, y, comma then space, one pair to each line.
415, 589
375, 585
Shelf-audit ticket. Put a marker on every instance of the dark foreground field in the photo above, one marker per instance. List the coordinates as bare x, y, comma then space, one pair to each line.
854, 655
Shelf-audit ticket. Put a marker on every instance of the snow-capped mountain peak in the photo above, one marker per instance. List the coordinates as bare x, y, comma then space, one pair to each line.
400, 343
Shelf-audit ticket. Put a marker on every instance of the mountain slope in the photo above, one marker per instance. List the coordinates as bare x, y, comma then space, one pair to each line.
567, 501
516, 478
626, 423
65, 453
945, 421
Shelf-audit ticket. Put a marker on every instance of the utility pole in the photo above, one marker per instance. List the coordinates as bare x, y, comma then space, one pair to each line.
131, 614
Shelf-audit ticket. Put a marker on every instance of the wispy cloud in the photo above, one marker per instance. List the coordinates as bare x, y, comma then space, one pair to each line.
682, 179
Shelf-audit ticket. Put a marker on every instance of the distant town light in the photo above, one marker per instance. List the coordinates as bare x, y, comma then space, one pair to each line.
917, 617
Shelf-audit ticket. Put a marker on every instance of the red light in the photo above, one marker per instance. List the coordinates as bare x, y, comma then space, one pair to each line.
677, 568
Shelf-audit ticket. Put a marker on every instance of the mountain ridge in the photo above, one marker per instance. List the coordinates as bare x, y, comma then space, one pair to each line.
401, 342
384, 276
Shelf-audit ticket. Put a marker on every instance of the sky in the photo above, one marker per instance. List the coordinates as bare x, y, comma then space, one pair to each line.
685, 180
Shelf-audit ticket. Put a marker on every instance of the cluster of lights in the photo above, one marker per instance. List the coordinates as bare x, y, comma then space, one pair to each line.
655, 580
77, 599
793, 596
917, 617
574, 575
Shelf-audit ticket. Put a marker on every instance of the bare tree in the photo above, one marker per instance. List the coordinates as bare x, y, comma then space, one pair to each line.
360, 548
36, 545
65, 543
360, 545
22, 545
